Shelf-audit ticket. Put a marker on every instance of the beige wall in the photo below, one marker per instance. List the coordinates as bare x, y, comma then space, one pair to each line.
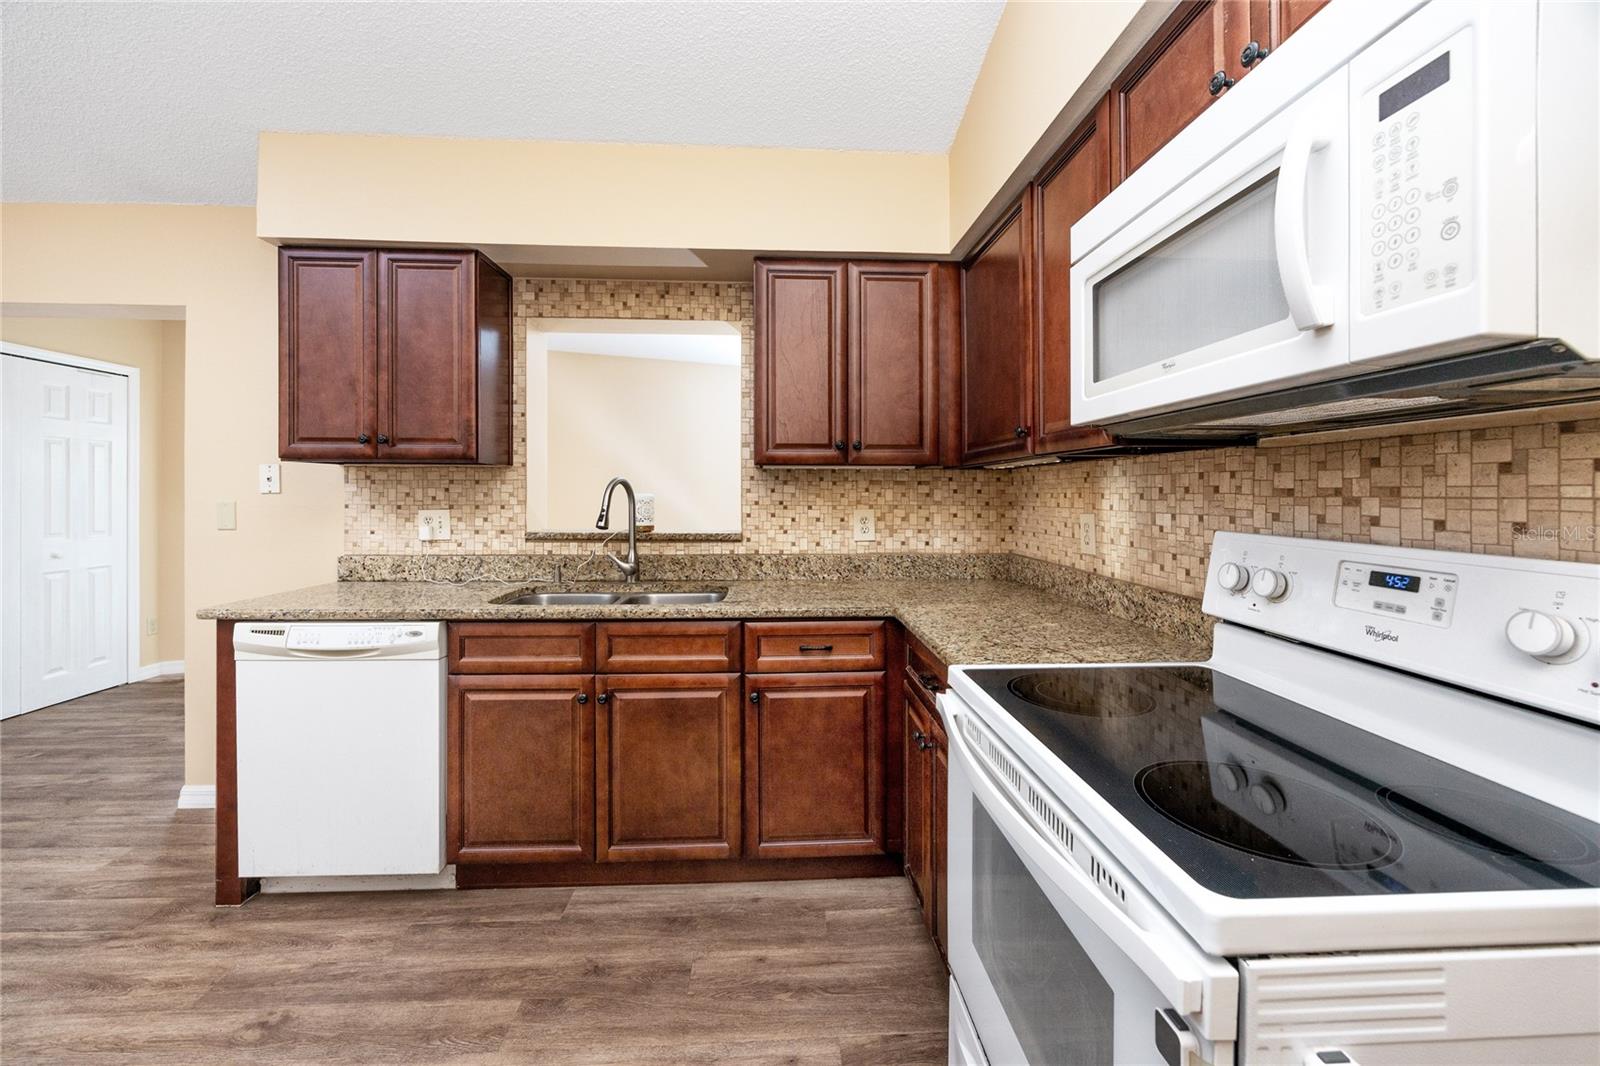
208, 261
155, 349
671, 428
455, 191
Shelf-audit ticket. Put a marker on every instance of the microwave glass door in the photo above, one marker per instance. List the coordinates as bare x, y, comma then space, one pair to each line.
1217, 278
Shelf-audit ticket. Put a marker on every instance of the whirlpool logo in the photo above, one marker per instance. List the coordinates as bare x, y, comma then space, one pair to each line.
1381, 635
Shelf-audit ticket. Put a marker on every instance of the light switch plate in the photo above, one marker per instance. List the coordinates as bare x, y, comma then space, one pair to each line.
433, 525
270, 477
227, 515
864, 526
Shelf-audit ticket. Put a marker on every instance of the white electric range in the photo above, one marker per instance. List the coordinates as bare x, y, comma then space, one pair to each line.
1366, 830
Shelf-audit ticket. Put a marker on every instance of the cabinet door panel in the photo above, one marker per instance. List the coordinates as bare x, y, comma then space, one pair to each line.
814, 765
799, 362
1077, 179
893, 364
521, 769
1168, 83
669, 758
938, 822
427, 356
327, 355
918, 821
995, 384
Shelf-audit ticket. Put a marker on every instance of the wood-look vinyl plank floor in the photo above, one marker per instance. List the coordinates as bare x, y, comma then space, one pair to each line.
111, 952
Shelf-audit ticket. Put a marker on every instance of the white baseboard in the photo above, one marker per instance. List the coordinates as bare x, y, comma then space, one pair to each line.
197, 797
170, 668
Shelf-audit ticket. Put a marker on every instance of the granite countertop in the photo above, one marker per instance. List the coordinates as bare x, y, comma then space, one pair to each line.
961, 621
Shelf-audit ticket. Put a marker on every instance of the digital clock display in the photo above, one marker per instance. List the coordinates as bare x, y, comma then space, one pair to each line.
1386, 579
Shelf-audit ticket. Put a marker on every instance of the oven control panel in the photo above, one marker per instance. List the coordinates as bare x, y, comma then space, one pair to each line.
1416, 227
1397, 591
1522, 629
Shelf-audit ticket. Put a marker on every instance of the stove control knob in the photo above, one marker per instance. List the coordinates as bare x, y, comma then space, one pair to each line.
1232, 776
1543, 636
1267, 797
1269, 584
1233, 577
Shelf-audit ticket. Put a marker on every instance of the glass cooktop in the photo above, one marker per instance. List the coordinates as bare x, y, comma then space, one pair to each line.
1257, 796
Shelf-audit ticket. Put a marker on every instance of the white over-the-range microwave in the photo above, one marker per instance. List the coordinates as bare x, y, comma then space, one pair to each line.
1396, 216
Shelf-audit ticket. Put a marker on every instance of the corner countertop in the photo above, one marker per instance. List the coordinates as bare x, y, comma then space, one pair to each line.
960, 621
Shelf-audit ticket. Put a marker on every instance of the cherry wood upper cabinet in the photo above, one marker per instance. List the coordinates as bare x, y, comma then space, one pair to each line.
996, 359
813, 765
520, 769
394, 356
799, 362
1074, 181
893, 384
327, 354
848, 361
1191, 61
668, 758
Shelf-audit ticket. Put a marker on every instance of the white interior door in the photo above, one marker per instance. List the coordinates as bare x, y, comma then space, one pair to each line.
66, 523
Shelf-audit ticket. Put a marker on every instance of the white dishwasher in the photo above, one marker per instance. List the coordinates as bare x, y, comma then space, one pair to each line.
341, 744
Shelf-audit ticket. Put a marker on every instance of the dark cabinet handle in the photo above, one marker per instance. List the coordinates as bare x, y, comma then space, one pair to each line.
816, 647
583, 697
1219, 82
930, 682
855, 445
382, 439
1022, 431
363, 439
604, 697
916, 737
838, 445
1253, 53
755, 697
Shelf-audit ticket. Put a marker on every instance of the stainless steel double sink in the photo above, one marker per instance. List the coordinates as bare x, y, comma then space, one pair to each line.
614, 599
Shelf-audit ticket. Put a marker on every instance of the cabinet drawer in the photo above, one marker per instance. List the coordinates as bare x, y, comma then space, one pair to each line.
925, 673
667, 647
803, 647
521, 648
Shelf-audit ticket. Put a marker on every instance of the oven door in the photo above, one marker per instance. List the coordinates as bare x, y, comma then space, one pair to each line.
1052, 968
1233, 280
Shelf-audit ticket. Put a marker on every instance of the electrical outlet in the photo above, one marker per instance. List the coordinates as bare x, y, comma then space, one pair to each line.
1086, 534
150, 627
864, 525
433, 525
270, 485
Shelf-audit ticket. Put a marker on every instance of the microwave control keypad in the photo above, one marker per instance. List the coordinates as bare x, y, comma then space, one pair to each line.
1414, 166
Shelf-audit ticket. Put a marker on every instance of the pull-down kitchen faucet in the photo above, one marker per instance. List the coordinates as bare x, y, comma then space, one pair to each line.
630, 565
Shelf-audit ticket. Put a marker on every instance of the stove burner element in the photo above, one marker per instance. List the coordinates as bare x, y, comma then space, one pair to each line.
1087, 693
1457, 815
1286, 821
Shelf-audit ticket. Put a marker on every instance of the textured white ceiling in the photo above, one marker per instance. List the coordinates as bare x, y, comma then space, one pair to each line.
161, 102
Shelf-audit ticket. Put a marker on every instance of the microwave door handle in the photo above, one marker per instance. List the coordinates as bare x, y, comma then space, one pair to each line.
1310, 305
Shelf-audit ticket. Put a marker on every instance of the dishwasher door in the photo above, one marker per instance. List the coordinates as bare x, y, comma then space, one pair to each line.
341, 748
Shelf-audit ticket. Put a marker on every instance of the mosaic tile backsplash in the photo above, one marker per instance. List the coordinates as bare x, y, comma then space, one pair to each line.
1518, 490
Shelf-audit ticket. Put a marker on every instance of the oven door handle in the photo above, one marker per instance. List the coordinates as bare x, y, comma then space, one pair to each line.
1310, 304
1191, 981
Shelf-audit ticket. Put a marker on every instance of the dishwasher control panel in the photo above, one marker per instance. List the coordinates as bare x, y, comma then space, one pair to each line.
349, 640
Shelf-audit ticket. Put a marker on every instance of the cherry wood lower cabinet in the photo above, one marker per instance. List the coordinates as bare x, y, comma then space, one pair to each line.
521, 769
926, 782
668, 766
814, 765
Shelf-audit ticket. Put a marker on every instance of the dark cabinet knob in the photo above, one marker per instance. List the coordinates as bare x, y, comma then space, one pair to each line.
855, 445
583, 697
383, 439
755, 697
1252, 54
1219, 82
363, 439
604, 697
838, 445
1022, 431
917, 737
